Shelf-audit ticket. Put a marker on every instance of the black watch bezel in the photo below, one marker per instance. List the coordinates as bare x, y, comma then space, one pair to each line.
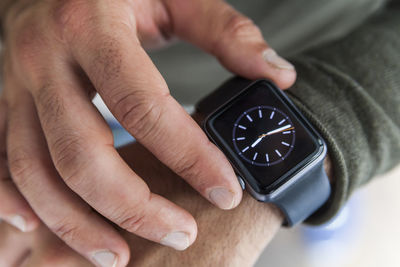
289, 177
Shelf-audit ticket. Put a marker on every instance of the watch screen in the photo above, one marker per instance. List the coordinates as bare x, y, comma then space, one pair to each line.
263, 135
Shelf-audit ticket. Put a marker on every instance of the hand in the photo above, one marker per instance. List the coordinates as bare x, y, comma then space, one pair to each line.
59, 149
39, 248
255, 224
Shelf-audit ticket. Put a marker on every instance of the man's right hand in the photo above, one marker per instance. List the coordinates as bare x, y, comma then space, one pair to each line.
60, 151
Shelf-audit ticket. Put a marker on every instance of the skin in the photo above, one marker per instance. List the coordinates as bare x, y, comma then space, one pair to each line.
57, 151
254, 224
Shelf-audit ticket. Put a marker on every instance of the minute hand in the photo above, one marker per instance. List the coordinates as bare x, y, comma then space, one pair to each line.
279, 129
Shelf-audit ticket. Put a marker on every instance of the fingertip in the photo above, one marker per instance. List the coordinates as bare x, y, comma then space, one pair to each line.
33, 224
123, 253
181, 240
115, 243
183, 235
220, 183
254, 63
116, 254
24, 223
238, 197
284, 79
193, 230
224, 198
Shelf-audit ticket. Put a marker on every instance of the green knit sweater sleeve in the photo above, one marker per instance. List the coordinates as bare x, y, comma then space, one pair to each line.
350, 90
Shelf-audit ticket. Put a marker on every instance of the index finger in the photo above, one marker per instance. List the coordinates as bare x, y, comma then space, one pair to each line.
138, 96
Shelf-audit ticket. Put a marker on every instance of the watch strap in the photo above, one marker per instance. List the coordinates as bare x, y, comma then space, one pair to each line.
304, 197
301, 198
222, 95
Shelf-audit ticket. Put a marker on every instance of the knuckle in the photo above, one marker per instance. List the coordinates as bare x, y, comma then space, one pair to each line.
239, 26
81, 19
133, 223
234, 27
51, 107
67, 231
140, 113
52, 112
108, 57
27, 45
68, 156
133, 218
27, 37
21, 166
187, 165
71, 16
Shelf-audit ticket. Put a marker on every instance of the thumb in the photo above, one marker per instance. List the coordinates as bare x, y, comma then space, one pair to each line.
234, 39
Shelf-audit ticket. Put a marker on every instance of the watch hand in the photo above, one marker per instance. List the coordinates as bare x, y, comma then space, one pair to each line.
283, 128
257, 141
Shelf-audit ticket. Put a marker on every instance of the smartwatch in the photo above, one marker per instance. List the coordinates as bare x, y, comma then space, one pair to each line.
276, 153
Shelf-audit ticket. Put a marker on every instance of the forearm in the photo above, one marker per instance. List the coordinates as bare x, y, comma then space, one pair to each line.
225, 238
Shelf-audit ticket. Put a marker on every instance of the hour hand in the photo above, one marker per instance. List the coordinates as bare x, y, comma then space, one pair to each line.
257, 141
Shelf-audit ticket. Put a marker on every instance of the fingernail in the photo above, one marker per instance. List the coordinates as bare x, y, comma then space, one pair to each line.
176, 240
223, 198
271, 57
105, 258
19, 222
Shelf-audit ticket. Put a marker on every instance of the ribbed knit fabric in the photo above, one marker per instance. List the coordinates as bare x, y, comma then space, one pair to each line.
350, 90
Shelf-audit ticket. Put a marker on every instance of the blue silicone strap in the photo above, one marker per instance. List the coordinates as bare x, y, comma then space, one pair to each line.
306, 196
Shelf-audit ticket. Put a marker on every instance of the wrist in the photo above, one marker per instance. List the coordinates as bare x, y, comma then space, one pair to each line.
240, 235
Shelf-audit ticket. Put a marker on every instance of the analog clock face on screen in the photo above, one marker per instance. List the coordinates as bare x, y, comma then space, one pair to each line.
263, 136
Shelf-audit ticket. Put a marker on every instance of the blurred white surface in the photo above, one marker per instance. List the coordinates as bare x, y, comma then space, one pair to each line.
374, 235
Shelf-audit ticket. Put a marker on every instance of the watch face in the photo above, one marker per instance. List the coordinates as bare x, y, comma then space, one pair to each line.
263, 135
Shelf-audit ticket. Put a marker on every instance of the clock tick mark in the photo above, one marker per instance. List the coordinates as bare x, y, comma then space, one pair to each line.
272, 115
255, 156
282, 121
242, 127
249, 118
245, 149
277, 152
285, 144
260, 113
240, 138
